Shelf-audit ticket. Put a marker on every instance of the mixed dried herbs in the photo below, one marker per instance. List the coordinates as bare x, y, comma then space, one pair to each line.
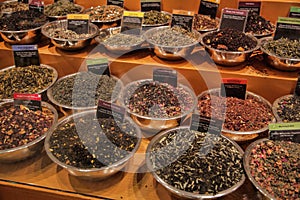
87, 142
14, 6
229, 40
61, 8
31, 79
288, 109
105, 13
19, 125
283, 47
62, 33
257, 25
154, 17
121, 39
196, 162
274, 165
204, 23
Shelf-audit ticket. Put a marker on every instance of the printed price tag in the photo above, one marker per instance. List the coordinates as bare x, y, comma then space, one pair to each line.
297, 88
30, 101
110, 110
98, 66
232, 87
36, 5
183, 19
294, 12
25, 55
204, 124
285, 131
287, 27
119, 3
132, 22
253, 6
234, 19
78, 23
165, 76
209, 7
148, 5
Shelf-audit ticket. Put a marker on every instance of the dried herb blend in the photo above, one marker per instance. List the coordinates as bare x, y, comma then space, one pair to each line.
229, 40
275, 167
196, 162
19, 125
154, 17
87, 142
258, 25
283, 47
13, 6
204, 23
31, 79
173, 37
158, 100
121, 39
61, 8
63, 33
22, 20
84, 89
105, 13
288, 109
240, 115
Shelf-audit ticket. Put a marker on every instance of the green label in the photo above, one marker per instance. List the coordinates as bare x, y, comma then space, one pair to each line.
285, 132
289, 20
98, 66
287, 27
284, 126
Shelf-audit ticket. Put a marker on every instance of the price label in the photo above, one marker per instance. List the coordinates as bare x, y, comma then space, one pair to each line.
165, 76
234, 19
132, 22
183, 19
30, 101
204, 124
98, 66
253, 6
36, 5
294, 12
285, 131
287, 27
119, 3
297, 88
209, 7
232, 87
78, 23
110, 110
25, 55
148, 5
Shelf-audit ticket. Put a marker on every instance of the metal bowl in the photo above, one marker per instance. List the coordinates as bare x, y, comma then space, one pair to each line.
55, 75
170, 52
155, 124
284, 64
70, 44
275, 106
58, 17
146, 27
181, 193
241, 136
28, 150
115, 94
92, 173
229, 58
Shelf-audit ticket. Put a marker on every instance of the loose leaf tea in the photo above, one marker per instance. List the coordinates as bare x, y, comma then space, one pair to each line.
229, 40
275, 167
204, 23
61, 8
121, 39
31, 79
63, 33
240, 115
19, 125
258, 25
196, 162
159, 100
22, 20
288, 109
154, 17
84, 89
105, 13
13, 6
283, 47
87, 142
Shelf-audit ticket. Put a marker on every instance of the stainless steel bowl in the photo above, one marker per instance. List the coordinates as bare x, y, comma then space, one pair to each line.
92, 173
69, 44
241, 136
28, 150
229, 58
284, 64
181, 193
155, 124
81, 9
55, 75
170, 52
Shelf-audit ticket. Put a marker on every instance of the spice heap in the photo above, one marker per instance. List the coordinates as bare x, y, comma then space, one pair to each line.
105, 13
19, 125
274, 166
87, 142
257, 25
154, 17
84, 89
22, 20
204, 23
121, 39
61, 8
173, 37
13, 6
283, 47
196, 162
158, 100
31, 79
229, 40
62, 33
288, 109
240, 115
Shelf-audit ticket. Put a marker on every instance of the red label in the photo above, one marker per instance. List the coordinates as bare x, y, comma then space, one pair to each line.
33, 97
234, 80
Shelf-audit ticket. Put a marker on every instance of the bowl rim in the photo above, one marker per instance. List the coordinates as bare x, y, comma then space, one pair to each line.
275, 106
86, 11
260, 98
163, 24
61, 16
181, 192
137, 83
69, 167
230, 52
54, 101
156, 29
55, 119
23, 31
55, 76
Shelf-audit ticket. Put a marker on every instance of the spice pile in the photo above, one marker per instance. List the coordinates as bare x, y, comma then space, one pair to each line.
19, 125
196, 162
61, 8
154, 17
87, 142
288, 109
31, 79
283, 47
204, 23
105, 13
274, 165
257, 25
